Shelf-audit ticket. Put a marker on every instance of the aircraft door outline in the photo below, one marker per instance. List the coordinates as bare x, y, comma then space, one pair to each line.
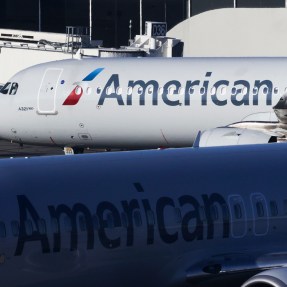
46, 101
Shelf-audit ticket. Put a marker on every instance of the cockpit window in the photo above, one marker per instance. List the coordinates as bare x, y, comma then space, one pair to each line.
14, 88
9, 88
6, 88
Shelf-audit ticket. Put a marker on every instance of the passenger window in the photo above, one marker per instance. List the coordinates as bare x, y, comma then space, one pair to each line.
137, 218
181, 91
28, 227
42, 226
255, 90
191, 90
150, 217
259, 209
55, 225
119, 91
2, 230
285, 206
140, 91
124, 220
15, 228
214, 212
244, 91
178, 217
67, 224
225, 212
273, 208
89, 90
237, 211
223, 91
276, 90
109, 91
110, 220
202, 213
150, 90
99, 90
130, 91
213, 90
96, 222
82, 222
171, 90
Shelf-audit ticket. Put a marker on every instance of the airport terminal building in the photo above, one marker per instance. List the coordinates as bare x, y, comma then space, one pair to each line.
111, 18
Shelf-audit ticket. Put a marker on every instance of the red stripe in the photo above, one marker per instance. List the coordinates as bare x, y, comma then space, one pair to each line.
73, 98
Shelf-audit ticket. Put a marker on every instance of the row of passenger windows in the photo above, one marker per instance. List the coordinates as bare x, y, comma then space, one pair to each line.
12, 88
217, 213
223, 90
66, 224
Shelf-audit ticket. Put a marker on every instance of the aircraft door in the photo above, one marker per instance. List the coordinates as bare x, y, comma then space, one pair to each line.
238, 216
260, 214
48, 92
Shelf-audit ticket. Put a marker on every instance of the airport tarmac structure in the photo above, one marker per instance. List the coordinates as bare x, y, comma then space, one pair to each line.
234, 32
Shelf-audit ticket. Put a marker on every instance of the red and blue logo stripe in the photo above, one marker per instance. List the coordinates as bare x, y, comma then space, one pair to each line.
77, 93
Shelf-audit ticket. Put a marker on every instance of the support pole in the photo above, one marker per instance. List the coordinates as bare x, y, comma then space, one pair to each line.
235, 4
40, 17
130, 28
165, 11
91, 21
141, 17
188, 8
116, 23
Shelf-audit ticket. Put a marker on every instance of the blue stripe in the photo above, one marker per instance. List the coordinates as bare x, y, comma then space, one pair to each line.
92, 75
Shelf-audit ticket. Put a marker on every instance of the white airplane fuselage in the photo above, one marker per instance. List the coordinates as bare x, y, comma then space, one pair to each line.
136, 103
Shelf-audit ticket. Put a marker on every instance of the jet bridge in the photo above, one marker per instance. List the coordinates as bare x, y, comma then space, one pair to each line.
28, 48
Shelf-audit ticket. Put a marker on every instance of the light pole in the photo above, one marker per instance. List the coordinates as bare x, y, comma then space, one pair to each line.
40, 17
91, 20
141, 17
165, 11
188, 8
130, 28
235, 3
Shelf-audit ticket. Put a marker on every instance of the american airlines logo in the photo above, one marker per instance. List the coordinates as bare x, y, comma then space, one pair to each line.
77, 93
96, 221
177, 93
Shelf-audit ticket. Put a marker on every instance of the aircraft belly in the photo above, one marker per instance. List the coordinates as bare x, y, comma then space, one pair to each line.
123, 129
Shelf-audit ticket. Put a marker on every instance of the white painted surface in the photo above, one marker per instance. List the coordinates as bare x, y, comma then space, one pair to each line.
234, 32
13, 60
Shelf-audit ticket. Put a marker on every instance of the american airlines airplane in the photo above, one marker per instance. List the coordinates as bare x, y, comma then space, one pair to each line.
146, 102
176, 217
